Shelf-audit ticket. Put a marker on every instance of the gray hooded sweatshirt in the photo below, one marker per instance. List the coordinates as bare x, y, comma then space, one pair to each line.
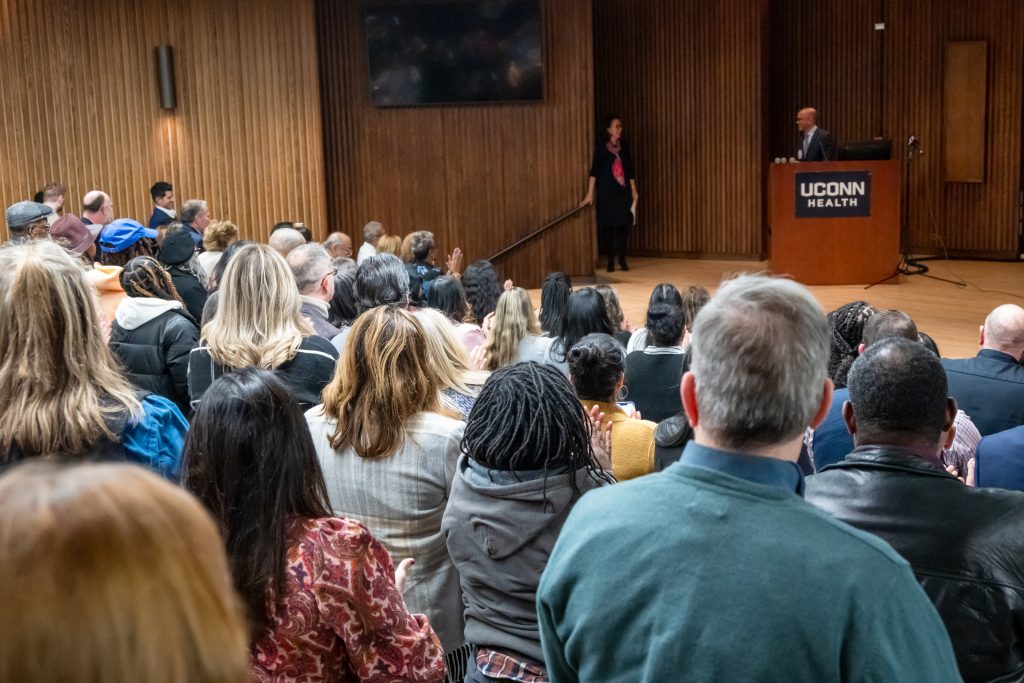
500, 533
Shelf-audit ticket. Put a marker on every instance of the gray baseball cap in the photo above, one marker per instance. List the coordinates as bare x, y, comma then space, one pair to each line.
21, 214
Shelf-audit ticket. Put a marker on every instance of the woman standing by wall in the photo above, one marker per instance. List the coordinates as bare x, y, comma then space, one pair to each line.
613, 177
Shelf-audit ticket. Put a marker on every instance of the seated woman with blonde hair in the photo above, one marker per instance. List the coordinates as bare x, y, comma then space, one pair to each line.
390, 244
389, 453
111, 574
259, 323
513, 334
460, 383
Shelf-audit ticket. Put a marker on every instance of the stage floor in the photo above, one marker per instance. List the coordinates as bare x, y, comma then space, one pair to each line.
951, 314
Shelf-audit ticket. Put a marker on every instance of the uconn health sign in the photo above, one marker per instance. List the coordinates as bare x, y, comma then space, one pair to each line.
835, 194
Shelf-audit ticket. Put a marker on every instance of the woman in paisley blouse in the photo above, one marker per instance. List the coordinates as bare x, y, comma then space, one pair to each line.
323, 600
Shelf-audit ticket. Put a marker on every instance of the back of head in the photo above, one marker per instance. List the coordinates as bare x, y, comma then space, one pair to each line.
219, 234
846, 330
758, 356
144, 277
54, 363
250, 460
343, 309
482, 287
665, 324
258, 319
886, 324
514, 318
94, 200
665, 293
405, 251
191, 209
222, 263
694, 299
372, 231
159, 189
420, 244
111, 574
596, 364
380, 383
554, 297
309, 264
448, 359
382, 280
612, 305
53, 192
284, 240
389, 244
585, 313
1004, 330
528, 418
446, 295
899, 395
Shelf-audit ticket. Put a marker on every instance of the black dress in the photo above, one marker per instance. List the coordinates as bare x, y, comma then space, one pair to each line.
613, 202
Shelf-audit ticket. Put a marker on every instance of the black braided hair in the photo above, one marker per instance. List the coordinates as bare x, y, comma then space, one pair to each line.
554, 297
145, 277
527, 417
846, 329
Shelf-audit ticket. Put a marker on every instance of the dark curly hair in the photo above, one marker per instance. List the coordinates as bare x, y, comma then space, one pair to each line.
483, 288
596, 363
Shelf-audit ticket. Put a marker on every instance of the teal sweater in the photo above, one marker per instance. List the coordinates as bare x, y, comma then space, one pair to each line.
693, 574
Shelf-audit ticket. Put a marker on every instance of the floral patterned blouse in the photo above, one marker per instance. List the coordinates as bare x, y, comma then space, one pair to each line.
342, 619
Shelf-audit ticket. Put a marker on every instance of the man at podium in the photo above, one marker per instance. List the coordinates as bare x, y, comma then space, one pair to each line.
815, 144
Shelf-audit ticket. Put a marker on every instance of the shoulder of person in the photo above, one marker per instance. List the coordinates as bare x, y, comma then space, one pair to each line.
319, 344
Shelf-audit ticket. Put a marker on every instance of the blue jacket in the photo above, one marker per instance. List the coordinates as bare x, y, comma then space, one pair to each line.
999, 462
989, 388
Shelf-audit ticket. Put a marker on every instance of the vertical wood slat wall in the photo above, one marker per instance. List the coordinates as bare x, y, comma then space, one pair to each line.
479, 177
687, 79
827, 54
79, 105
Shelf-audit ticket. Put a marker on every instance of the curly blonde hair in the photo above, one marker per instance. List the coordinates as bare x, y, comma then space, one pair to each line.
219, 235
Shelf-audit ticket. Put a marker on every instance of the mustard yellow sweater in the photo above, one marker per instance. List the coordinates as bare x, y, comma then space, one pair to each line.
632, 441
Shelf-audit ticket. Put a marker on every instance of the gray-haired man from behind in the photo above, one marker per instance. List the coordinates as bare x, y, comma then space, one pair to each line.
314, 276
372, 232
744, 580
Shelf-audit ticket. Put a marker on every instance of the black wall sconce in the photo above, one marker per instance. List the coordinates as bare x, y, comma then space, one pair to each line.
165, 76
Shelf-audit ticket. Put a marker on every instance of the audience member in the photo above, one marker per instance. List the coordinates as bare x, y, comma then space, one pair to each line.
195, 216
109, 574
405, 251
483, 288
381, 280
969, 561
447, 358
259, 322
990, 386
554, 298
448, 297
388, 457
372, 232
585, 314
321, 594
152, 333
106, 285
214, 280
53, 197
623, 330
64, 396
219, 235
80, 239
28, 221
596, 365
663, 293
514, 335
284, 240
123, 240
178, 254
527, 461
342, 311
846, 327
345, 266
422, 271
303, 229
653, 374
1000, 460
162, 194
97, 208
314, 276
338, 245
694, 299
388, 244
772, 589
280, 225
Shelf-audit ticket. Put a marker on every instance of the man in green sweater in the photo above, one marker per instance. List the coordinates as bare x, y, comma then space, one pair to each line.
716, 569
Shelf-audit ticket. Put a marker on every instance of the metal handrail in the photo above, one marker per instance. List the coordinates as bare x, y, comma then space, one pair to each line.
547, 226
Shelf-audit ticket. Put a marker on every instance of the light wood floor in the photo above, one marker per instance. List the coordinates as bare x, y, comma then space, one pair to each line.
950, 314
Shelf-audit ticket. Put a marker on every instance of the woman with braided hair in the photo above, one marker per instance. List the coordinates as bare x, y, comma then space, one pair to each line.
527, 458
153, 334
846, 327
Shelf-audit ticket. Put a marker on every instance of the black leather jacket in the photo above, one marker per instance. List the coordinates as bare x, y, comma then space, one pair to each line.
966, 547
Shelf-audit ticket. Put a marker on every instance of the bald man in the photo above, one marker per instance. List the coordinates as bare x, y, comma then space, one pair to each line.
990, 386
338, 244
815, 143
97, 208
283, 240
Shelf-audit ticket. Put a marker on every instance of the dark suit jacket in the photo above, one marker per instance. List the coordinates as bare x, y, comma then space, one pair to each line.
822, 148
158, 218
989, 388
999, 462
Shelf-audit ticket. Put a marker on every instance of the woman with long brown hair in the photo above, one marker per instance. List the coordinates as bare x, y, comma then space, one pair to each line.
64, 395
389, 455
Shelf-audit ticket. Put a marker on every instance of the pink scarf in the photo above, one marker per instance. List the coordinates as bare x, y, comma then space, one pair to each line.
618, 171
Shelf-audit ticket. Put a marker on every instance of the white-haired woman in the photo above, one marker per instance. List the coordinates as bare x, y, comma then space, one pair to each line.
259, 323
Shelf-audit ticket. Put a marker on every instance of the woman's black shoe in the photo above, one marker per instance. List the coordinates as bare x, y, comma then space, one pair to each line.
623, 266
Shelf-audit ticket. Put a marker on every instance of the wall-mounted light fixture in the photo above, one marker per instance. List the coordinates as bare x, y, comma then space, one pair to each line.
165, 76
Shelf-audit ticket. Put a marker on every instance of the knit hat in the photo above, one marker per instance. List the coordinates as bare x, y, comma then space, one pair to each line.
177, 248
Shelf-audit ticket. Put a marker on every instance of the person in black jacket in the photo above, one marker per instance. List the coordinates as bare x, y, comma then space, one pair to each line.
964, 544
612, 183
178, 255
152, 333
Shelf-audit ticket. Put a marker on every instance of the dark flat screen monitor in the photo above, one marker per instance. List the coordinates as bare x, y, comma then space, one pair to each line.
866, 150
453, 51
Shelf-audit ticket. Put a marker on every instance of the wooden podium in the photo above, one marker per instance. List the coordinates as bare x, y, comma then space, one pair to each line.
835, 222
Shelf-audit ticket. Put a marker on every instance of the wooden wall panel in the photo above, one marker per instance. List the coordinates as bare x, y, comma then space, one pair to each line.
687, 79
79, 105
901, 86
479, 177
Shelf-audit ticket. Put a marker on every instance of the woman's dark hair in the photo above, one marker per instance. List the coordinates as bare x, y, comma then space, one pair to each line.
527, 418
606, 123
222, 263
694, 298
846, 329
250, 460
343, 309
596, 363
665, 293
585, 313
612, 304
929, 343
554, 297
145, 277
483, 289
143, 247
446, 295
665, 324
